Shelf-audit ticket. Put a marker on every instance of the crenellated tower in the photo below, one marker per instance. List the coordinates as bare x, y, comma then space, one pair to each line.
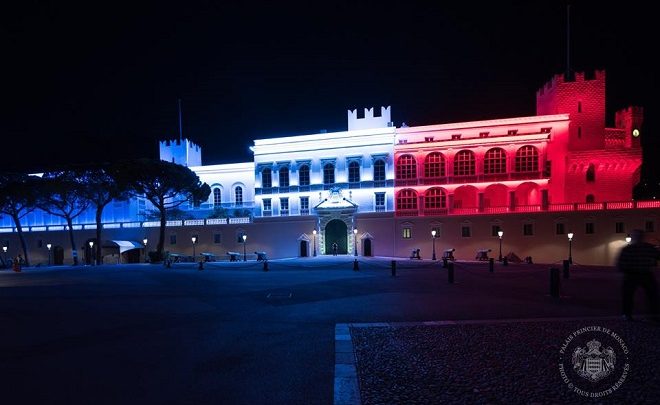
181, 151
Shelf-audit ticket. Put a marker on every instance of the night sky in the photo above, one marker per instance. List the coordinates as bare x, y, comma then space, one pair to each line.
100, 81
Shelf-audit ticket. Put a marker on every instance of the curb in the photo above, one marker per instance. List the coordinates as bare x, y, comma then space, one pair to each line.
347, 389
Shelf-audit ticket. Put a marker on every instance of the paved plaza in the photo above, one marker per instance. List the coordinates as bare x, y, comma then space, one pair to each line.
234, 333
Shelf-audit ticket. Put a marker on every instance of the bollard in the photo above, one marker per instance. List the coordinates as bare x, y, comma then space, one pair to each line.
444, 262
393, 268
491, 264
201, 265
505, 261
450, 273
265, 265
554, 282
566, 262
356, 267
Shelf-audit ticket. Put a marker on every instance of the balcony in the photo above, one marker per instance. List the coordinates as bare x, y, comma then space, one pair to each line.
405, 182
480, 178
284, 213
407, 213
304, 211
380, 208
434, 212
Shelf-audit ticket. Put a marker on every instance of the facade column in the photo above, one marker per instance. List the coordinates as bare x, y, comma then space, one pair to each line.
450, 203
544, 200
512, 200
481, 202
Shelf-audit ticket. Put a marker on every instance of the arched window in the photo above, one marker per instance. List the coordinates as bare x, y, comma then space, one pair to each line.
527, 159
238, 195
354, 172
379, 170
464, 163
266, 178
495, 161
217, 197
406, 199
284, 177
328, 173
434, 165
435, 198
591, 198
303, 175
406, 167
591, 173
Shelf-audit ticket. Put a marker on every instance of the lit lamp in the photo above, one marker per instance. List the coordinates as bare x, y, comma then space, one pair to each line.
570, 246
91, 249
433, 233
244, 253
500, 234
194, 242
144, 242
628, 239
48, 246
314, 233
355, 240
4, 250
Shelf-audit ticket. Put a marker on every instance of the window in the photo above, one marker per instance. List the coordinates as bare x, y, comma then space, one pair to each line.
437, 230
217, 197
590, 198
528, 229
217, 238
560, 229
328, 173
238, 195
619, 227
303, 175
527, 159
649, 226
434, 165
406, 167
379, 170
495, 161
172, 239
466, 231
494, 229
483, 134
464, 163
455, 137
354, 172
406, 200
266, 178
591, 173
589, 228
380, 201
435, 198
267, 204
284, 177
512, 132
407, 233
284, 206
579, 106
579, 133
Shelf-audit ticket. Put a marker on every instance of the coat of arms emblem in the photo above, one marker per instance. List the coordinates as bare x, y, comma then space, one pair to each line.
593, 363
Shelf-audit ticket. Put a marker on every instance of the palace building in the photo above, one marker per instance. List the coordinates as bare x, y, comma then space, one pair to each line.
379, 189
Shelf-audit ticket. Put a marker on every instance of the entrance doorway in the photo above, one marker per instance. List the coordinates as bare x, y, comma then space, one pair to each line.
336, 231
58, 255
303, 248
366, 247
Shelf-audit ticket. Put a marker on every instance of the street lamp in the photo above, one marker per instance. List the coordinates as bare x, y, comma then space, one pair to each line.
314, 233
570, 247
355, 240
4, 250
433, 233
144, 241
500, 234
48, 246
91, 250
628, 239
244, 253
194, 242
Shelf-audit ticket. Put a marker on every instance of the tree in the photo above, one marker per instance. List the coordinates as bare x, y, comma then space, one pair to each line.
166, 185
101, 188
17, 199
64, 194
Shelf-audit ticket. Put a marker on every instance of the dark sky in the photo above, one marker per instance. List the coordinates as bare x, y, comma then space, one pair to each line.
99, 81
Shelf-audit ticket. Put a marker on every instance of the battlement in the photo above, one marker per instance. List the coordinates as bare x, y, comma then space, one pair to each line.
181, 151
559, 79
369, 120
629, 113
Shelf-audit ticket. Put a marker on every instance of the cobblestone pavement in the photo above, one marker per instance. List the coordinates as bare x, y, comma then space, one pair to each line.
508, 362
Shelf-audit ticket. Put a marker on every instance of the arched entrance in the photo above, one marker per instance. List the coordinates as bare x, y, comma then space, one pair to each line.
366, 247
336, 231
303, 248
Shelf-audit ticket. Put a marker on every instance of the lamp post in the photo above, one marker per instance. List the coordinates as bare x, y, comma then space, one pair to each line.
49, 246
570, 247
628, 239
194, 242
500, 234
4, 250
314, 235
144, 241
91, 250
244, 252
433, 233
355, 240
